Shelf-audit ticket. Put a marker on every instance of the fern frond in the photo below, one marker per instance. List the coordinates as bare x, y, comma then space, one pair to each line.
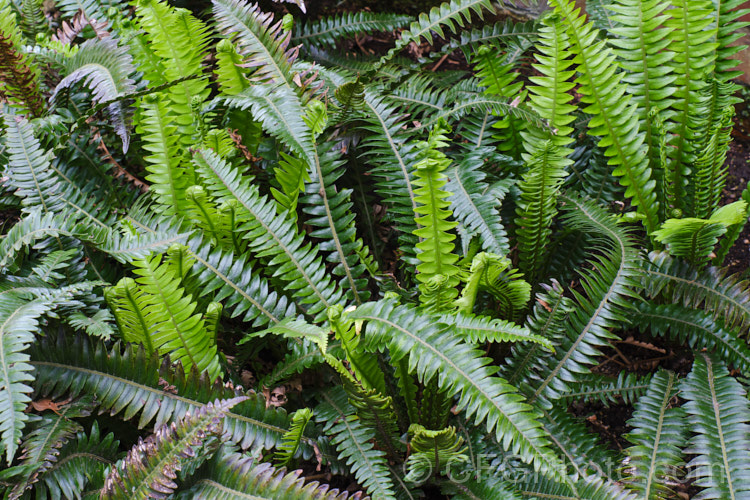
626, 388
291, 441
150, 468
658, 435
128, 381
232, 476
229, 72
728, 30
291, 174
481, 329
105, 69
269, 234
716, 407
432, 350
499, 35
19, 320
590, 488
354, 444
448, 15
473, 206
262, 44
18, 72
29, 169
92, 9
329, 30
607, 290
614, 115
431, 450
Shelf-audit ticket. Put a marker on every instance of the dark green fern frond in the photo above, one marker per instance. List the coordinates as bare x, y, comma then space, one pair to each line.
431, 351
329, 30
658, 435
717, 409
449, 15
499, 35
150, 468
625, 389
262, 43
708, 289
727, 30
105, 69
590, 488
694, 327
354, 444
92, 9
232, 476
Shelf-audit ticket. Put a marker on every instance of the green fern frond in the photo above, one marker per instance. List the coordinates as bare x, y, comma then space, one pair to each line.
431, 450
29, 169
500, 34
18, 72
291, 441
261, 43
694, 327
150, 468
230, 74
607, 290
615, 118
354, 444
92, 9
431, 352
716, 407
494, 274
590, 488
158, 312
105, 69
233, 476
708, 289
473, 205
658, 435
481, 329
270, 235
728, 29
19, 320
329, 30
626, 388
448, 15
128, 381
295, 328
538, 205
291, 174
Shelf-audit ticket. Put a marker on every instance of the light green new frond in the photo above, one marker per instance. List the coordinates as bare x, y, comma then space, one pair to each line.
695, 239
436, 247
658, 436
291, 174
614, 117
291, 440
538, 205
431, 451
168, 171
433, 352
494, 274
717, 408
105, 69
229, 72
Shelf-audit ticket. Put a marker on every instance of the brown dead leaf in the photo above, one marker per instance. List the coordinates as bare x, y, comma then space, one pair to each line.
47, 404
275, 397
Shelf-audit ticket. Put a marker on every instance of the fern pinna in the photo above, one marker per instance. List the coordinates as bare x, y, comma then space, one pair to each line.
283, 252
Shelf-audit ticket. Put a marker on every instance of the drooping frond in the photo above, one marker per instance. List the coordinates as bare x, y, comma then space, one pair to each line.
658, 435
708, 289
432, 352
606, 291
329, 30
128, 381
151, 466
717, 409
105, 69
448, 15
262, 43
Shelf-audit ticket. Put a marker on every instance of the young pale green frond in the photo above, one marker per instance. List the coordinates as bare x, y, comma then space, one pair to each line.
230, 74
150, 468
474, 205
447, 15
105, 69
329, 30
606, 290
29, 170
270, 235
614, 116
354, 444
433, 351
696, 328
658, 436
291, 441
19, 320
717, 409
234, 476
263, 44
129, 381
432, 451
